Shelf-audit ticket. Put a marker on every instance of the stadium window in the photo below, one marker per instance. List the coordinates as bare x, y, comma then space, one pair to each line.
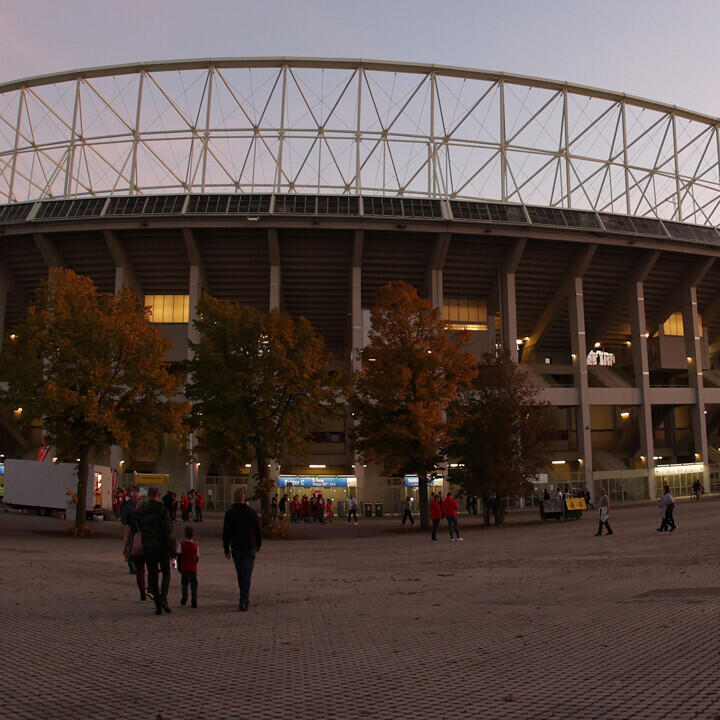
168, 308
674, 325
465, 314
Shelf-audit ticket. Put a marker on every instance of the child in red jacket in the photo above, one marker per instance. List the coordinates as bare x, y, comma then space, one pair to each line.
187, 558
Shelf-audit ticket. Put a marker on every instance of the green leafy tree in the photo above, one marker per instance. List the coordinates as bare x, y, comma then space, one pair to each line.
413, 369
259, 383
503, 434
90, 366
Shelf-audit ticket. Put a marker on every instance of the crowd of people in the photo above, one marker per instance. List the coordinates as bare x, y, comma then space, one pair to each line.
149, 544
190, 504
150, 548
312, 509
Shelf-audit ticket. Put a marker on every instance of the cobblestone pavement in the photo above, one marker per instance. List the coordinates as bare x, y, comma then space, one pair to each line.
526, 621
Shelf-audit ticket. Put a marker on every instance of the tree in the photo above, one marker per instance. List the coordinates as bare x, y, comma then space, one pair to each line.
259, 383
413, 369
90, 365
503, 434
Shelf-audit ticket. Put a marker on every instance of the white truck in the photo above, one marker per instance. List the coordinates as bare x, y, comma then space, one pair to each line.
43, 486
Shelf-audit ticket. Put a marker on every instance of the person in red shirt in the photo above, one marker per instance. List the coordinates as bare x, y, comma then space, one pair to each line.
199, 502
184, 504
450, 509
187, 559
305, 509
435, 515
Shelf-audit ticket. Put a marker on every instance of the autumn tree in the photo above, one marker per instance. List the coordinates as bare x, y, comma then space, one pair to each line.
503, 434
413, 369
259, 383
90, 366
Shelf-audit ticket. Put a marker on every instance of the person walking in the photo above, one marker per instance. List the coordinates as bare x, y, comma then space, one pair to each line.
329, 510
450, 510
242, 539
188, 556
154, 522
352, 509
406, 508
668, 501
604, 508
132, 547
191, 504
127, 516
167, 502
199, 504
435, 516
305, 509
184, 503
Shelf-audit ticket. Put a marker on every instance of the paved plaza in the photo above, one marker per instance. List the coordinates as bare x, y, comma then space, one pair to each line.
530, 620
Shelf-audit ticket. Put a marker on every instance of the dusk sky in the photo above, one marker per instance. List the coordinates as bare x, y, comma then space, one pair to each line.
659, 49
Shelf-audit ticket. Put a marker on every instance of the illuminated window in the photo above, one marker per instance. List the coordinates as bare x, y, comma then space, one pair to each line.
674, 325
168, 308
466, 314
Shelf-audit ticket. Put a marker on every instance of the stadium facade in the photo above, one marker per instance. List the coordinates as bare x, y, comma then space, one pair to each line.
573, 225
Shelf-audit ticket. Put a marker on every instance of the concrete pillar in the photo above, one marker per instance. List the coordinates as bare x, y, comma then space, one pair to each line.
195, 291
356, 339
275, 299
576, 314
434, 274
508, 313
693, 347
436, 288
196, 283
642, 379
3, 305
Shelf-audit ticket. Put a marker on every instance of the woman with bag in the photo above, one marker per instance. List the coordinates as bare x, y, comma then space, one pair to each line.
134, 550
132, 541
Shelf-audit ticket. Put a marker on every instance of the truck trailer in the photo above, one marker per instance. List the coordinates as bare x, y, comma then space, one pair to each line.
43, 487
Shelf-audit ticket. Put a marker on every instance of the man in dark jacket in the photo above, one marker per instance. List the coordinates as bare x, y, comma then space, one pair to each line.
154, 522
242, 537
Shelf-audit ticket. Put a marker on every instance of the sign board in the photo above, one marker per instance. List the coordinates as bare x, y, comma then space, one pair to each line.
412, 481
316, 481
575, 504
151, 478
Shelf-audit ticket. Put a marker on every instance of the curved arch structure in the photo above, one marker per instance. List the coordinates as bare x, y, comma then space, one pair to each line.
354, 127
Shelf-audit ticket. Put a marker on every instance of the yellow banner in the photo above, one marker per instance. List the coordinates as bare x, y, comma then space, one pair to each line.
151, 478
575, 504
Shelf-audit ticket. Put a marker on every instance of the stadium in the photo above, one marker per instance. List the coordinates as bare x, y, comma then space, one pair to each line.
574, 225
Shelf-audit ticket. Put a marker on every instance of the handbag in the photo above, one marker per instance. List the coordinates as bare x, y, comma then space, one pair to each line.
137, 546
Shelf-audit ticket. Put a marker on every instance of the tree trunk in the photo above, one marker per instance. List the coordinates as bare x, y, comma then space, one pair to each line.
81, 507
423, 500
499, 511
264, 486
486, 508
